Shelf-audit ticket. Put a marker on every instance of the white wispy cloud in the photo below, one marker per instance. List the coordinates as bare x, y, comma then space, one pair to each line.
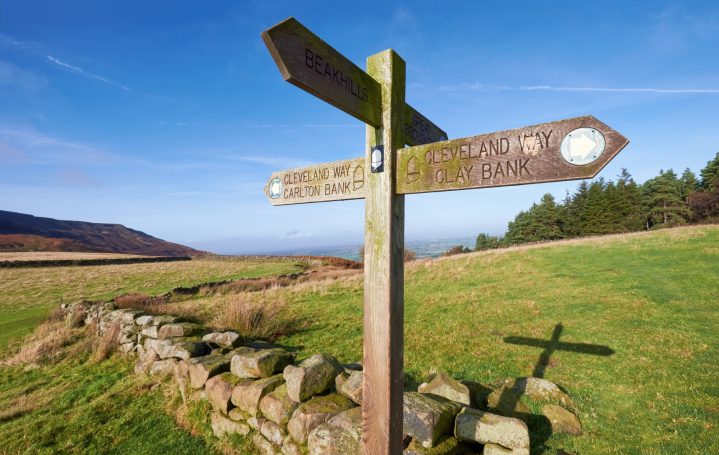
41, 148
478, 86
13, 75
81, 71
297, 234
270, 161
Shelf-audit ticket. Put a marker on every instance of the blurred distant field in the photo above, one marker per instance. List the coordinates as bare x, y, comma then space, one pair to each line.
26, 294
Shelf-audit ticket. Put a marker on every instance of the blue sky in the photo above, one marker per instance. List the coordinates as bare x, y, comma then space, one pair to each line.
169, 116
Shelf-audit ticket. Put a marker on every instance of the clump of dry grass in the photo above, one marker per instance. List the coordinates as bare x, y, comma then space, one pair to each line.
49, 342
106, 343
252, 317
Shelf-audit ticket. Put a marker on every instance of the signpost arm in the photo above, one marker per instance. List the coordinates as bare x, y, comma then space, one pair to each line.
383, 385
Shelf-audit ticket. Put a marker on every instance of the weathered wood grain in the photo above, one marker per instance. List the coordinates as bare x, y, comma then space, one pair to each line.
382, 388
308, 62
335, 181
514, 157
418, 129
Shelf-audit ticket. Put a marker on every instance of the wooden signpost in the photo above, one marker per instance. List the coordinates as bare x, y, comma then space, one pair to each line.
336, 181
576, 148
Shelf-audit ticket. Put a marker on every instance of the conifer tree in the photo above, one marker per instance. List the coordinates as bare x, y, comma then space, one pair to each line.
710, 175
688, 183
663, 198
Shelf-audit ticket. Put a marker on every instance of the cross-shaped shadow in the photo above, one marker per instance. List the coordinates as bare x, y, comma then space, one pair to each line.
555, 345
540, 429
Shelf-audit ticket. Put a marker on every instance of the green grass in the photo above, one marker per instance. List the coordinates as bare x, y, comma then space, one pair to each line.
652, 298
84, 407
26, 294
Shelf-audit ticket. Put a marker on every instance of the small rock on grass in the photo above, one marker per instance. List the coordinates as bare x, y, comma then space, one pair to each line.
445, 386
485, 428
561, 420
538, 389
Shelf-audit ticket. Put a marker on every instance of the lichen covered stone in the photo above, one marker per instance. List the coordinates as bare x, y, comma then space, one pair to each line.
311, 414
484, 428
561, 420
247, 394
444, 386
427, 417
260, 364
219, 391
277, 406
312, 376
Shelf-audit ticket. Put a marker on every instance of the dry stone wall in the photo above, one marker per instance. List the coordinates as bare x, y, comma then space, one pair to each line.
258, 390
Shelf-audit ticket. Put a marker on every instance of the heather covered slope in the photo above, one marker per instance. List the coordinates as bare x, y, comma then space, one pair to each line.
21, 232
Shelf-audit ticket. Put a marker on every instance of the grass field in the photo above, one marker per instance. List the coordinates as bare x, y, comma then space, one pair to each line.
26, 294
58, 256
653, 298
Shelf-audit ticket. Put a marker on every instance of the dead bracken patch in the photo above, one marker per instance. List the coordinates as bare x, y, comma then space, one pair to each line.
49, 342
252, 317
107, 343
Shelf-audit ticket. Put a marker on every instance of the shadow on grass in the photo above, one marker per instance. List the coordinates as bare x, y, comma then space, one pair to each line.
540, 428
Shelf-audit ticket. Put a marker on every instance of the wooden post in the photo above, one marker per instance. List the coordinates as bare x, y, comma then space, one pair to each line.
383, 385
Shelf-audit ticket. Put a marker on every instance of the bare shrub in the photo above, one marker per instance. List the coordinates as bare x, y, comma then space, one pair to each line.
46, 344
128, 300
455, 250
252, 318
144, 302
409, 255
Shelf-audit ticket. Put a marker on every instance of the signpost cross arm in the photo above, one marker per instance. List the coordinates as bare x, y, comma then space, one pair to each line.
384, 268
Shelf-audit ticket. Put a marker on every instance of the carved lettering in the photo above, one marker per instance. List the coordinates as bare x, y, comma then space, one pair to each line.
327, 70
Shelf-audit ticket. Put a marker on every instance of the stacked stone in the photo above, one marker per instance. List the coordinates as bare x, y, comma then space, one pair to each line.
256, 390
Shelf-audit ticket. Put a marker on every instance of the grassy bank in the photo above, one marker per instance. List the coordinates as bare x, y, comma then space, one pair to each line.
26, 294
652, 298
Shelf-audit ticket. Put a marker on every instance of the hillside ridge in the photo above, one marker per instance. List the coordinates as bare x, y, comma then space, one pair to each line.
23, 232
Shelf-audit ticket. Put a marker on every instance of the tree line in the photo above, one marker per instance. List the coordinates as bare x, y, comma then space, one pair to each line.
610, 207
